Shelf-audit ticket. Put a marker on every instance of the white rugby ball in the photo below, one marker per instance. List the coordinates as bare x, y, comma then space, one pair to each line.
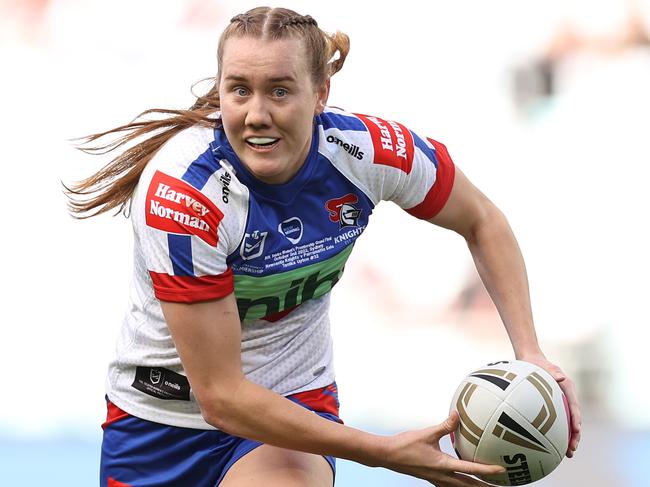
514, 414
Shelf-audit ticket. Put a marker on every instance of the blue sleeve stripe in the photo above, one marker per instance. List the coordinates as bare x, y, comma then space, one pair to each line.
199, 171
428, 151
180, 253
333, 120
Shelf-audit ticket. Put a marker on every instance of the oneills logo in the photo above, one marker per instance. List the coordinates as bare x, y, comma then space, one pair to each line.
176, 207
351, 149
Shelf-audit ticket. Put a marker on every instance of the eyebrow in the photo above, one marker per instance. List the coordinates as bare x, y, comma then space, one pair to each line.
275, 79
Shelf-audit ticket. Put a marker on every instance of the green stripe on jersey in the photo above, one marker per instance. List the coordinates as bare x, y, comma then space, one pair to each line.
262, 296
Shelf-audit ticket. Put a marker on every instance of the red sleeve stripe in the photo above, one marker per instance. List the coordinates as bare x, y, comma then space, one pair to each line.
439, 193
191, 289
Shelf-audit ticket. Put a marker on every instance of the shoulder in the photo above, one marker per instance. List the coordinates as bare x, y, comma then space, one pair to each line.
184, 182
387, 160
188, 147
378, 141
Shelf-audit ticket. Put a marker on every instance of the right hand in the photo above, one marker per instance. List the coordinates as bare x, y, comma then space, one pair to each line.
418, 453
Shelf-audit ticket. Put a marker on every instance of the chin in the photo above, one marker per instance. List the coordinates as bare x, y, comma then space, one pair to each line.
269, 171
268, 174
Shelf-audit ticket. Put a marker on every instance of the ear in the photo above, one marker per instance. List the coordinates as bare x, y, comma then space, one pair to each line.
322, 94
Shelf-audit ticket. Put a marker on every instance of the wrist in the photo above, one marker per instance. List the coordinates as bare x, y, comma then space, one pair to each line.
529, 353
374, 451
526, 346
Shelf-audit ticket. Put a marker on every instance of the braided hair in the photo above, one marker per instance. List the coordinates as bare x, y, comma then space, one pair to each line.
112, 186
327, 52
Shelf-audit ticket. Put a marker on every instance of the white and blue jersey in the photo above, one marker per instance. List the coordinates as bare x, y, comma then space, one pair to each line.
205, 227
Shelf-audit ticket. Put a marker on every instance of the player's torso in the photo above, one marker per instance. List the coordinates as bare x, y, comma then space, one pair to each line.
297, 236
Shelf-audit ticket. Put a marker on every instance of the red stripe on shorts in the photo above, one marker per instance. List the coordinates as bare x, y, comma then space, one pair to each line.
113, 414
114, 483
322, 400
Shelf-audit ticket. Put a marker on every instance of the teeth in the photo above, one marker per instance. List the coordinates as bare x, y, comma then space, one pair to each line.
261, 140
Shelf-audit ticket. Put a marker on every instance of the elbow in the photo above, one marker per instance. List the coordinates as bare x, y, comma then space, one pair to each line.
218, 409
488, 222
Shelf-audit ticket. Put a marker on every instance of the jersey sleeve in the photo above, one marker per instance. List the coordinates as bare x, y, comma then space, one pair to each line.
418, 172
388, 161
181, 234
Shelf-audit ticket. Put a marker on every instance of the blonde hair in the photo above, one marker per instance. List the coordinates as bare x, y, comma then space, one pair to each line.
113, 185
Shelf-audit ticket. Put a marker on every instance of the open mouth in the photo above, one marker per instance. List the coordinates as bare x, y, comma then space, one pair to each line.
262, 142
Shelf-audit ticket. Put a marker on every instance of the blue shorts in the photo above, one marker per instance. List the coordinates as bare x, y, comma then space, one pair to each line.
141, 453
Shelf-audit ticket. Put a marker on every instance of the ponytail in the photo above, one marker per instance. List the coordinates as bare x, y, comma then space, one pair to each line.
113, 185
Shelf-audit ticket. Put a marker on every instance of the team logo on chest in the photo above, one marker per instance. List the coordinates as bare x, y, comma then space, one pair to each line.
253, 245
343, 211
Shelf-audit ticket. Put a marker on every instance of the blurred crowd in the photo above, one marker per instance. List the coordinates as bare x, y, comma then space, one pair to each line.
579, 100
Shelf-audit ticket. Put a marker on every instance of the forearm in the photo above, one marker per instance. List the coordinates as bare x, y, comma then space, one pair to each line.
207, 336
251, 411
500, 264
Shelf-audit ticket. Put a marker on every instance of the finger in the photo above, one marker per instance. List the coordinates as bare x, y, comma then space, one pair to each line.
458, 480
573, 444
556, 372
447, 426
465, 481
576, 416
559, 376
471, 468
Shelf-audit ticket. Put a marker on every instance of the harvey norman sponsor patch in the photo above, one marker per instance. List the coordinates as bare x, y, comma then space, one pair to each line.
392, 141
176, 207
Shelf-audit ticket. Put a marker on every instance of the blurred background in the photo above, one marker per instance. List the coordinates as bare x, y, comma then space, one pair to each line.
544, 105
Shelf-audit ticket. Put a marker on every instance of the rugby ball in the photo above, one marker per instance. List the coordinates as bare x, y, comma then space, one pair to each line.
514, 414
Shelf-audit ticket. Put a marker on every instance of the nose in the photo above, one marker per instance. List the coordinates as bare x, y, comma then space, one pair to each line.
258, 113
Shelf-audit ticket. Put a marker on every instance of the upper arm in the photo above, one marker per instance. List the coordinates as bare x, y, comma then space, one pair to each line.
466, 207
183, 234
207, 336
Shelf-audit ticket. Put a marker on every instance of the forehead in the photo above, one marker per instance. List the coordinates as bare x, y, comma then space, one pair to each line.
245, 57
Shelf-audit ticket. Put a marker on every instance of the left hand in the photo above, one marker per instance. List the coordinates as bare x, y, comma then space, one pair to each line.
568, 387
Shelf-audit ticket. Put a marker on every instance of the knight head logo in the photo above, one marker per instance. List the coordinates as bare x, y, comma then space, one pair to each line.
342, 210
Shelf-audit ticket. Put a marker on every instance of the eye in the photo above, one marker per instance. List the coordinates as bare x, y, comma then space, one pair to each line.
280, 92
240, 91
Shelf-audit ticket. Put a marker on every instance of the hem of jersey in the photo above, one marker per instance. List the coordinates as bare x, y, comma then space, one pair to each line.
191, 420
167, 418
317, 383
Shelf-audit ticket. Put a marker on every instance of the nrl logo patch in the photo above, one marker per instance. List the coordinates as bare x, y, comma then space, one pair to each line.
253, 245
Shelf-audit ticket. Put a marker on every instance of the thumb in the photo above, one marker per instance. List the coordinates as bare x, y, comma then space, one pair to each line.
448, 425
